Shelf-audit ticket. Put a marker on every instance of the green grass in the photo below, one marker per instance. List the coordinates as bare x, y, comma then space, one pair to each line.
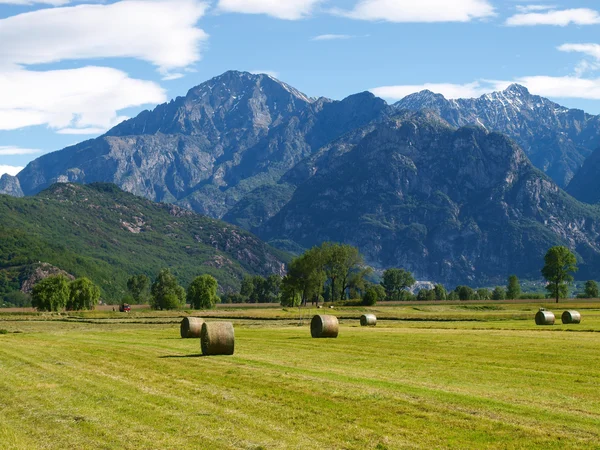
480, 379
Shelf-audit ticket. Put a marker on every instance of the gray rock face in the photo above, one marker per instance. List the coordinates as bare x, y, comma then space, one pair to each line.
206, 151
10, 185
556, 139
451, 205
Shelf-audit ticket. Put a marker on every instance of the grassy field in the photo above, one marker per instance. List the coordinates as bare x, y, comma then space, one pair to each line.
428, 376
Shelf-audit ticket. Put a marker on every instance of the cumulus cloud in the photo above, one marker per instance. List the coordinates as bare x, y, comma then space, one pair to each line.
11, 151
281, 9
164, 33
84, 98
420, 11
561, 18
546, 86
592, 50
11, 170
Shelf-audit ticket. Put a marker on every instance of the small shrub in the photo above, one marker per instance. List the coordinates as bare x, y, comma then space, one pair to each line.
3, 331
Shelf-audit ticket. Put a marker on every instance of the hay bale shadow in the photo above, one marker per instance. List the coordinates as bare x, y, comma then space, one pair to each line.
197, 355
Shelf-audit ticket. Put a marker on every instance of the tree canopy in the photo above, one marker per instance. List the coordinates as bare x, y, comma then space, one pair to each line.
83, 295
560, 264
166, 292
395, 282
202, 292
50, 294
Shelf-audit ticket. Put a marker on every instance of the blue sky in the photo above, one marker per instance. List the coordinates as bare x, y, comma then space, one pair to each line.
69, 70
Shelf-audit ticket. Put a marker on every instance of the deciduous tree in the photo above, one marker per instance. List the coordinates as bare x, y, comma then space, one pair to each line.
513, 289
83, 295
560, 264
50, 294
202, 292
166, 292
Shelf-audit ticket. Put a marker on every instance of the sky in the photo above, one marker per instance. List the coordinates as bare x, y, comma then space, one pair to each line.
70, 70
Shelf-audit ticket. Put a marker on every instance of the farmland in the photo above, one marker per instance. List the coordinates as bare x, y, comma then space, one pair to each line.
428, 376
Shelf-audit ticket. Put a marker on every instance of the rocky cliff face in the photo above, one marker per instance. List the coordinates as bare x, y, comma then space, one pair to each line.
10, 185
451, 205
226, 138
556, 139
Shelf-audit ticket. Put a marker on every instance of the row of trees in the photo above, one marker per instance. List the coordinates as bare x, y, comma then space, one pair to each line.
57, 293
329, 272
166, 293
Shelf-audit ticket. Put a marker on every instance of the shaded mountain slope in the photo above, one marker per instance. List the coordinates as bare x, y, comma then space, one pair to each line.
451, 205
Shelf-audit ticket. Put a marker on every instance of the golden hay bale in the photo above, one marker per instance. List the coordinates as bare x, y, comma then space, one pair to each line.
217, 338
324, 326
544, 318
191, 327
368, 320
571, 317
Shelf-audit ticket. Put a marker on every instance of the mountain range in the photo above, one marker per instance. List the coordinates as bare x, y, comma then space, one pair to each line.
465, 190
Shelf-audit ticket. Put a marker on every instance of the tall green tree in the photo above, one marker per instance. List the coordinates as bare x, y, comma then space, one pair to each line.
395, 281
50, 294
591, 289
83, 295
499, 293
513, 289
290, 296
484, 294
440, 292
306, 275
343, 265
560, 264
202, 292
166, 292
137, 285
465, 293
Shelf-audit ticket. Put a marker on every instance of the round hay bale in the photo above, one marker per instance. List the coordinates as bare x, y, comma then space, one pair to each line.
217, 338
544, 318
324, 326
191, 327
571, 317
368, 320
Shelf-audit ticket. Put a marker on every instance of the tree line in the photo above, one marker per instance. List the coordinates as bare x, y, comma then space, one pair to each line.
327, 273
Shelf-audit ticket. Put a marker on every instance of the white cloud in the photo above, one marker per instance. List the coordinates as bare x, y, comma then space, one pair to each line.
592, 50
331, 37
420, 11
11, 150
11, 170
31, 2
84, 98
87, 131
271, 73
161, 32
562, 18
448, 90
281, 9
530, 8
557, 87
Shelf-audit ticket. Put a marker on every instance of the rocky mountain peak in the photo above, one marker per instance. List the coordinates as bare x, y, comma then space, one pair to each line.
517, 89
422, 99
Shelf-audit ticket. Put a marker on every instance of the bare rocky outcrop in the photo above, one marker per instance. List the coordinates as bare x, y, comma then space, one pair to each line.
41, 271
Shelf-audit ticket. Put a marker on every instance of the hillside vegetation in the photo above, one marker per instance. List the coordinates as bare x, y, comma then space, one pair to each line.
103, 233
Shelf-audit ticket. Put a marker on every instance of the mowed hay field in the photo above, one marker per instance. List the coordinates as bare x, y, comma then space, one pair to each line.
428, 376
